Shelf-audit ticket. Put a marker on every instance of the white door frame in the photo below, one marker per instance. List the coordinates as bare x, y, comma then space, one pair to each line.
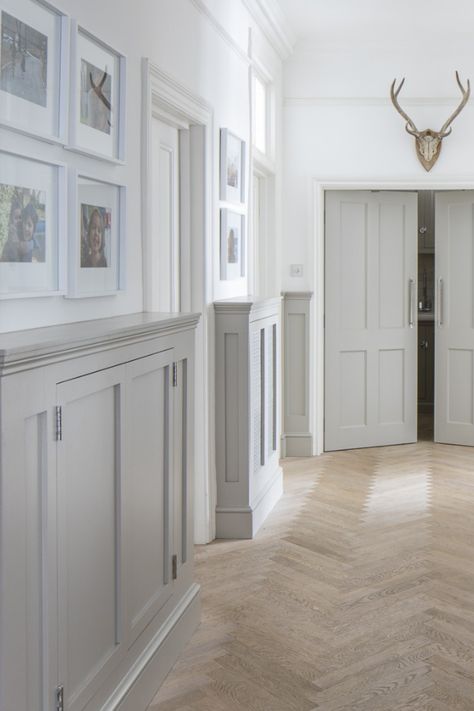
170, 101
317, 229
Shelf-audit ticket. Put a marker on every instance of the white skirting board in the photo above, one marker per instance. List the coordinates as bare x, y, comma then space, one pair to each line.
245, 522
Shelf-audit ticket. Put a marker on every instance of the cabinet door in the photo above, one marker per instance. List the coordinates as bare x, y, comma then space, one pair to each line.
148, 490
90, 457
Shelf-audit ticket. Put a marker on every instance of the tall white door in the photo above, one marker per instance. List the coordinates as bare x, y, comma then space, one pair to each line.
454, 335
370, 319
165, 216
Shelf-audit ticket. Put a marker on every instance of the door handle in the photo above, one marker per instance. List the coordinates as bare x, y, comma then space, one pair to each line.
411, 303
440, 302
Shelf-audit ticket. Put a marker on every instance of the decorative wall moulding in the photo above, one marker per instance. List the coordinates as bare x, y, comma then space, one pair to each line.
32, 226
221, 30
34, 69
308, 101
274, 25
98, 90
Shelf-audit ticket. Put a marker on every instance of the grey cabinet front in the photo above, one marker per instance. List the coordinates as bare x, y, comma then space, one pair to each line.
90, 532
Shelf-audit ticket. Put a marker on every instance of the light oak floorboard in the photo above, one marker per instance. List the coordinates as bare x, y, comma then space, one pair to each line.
357, 594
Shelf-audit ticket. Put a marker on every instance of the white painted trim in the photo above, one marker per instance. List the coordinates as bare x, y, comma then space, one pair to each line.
307, 101
201, 6
273, 24
319, 188
161, 92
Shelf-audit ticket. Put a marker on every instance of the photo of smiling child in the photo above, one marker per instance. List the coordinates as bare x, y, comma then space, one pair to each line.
22, 224
96, 223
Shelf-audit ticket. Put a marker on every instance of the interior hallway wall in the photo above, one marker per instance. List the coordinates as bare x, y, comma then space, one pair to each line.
203, 44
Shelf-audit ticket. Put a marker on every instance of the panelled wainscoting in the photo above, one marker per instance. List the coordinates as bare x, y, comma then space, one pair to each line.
97, 595
357, 594
249, 477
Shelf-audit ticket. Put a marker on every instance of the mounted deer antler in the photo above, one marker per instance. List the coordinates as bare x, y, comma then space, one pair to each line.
428, 142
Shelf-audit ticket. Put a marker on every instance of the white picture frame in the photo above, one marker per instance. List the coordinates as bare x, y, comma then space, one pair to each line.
97, 111
232, 167
33, 224
232, 245
34, 101
96, 265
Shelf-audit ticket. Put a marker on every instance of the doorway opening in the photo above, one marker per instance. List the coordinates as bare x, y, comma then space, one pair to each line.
398, 320
426, 313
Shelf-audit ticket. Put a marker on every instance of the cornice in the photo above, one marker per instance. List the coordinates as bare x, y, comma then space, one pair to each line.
274, 25
201, 6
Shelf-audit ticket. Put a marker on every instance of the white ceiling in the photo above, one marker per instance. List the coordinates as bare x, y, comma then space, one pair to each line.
349, 22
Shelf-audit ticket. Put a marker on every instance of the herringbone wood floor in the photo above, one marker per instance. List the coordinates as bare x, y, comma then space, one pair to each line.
358, 594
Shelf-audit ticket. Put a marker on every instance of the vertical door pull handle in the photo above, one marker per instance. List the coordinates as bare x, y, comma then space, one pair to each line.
411, 302
440, 302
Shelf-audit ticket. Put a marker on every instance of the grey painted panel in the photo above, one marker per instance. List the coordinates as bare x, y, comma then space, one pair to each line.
353, 392
296, 374
298, 391
232, 393
460, 386
392, 386
90, 503
149, 489
353, 267
392, 258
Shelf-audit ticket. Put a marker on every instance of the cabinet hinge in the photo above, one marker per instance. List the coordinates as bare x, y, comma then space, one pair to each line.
175, 375
174, 567
59, 423
59, 698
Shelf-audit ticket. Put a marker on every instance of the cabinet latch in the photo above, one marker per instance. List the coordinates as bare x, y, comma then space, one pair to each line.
174, 567
175, 375
59, 698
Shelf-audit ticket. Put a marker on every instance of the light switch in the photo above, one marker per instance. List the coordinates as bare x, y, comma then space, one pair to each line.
296, 270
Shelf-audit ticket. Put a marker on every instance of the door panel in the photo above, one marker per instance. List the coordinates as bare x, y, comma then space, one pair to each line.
454, 341
370, 319
149, 489
90, 537
165, 215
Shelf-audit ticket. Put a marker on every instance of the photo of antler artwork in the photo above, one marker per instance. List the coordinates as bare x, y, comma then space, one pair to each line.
428, 142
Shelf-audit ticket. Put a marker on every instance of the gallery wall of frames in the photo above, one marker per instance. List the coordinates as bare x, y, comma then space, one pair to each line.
62, 232
232, 219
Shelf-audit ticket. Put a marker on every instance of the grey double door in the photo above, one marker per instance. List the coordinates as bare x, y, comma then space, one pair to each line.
371, 318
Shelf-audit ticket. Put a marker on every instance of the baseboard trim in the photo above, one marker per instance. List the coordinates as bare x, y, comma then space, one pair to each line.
238, 523
138, 687
297, 445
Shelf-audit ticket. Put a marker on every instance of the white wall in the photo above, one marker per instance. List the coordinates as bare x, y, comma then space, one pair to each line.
339, 124
205, 52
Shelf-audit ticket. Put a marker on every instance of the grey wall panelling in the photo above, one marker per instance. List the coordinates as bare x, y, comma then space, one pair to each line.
297, 440
249, 478
96, 502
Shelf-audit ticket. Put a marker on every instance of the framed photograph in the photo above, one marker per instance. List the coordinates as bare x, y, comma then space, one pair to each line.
34, 69
97, 111
96, 232
232, 244
232, 167
32, 227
